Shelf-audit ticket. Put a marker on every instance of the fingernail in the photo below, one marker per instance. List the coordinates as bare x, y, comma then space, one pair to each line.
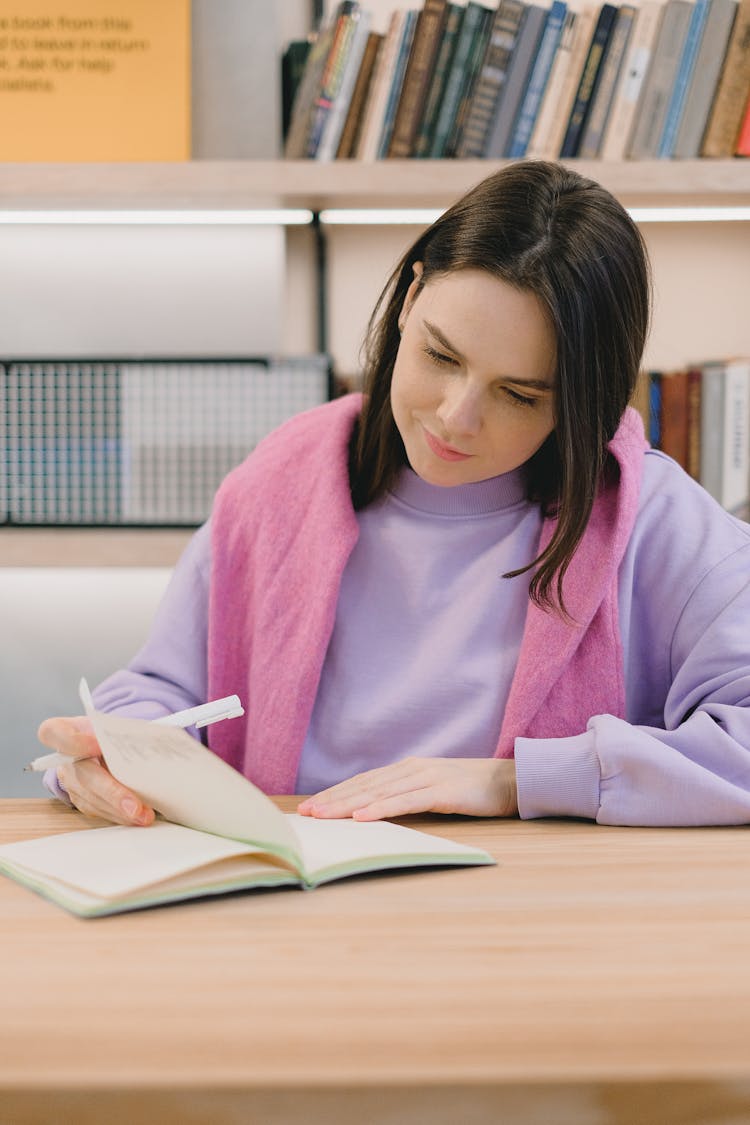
130, 807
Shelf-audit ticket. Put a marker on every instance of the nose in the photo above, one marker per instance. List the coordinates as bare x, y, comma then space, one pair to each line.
460, 411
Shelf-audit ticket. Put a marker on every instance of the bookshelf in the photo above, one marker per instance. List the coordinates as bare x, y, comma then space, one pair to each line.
203, 185
318, 185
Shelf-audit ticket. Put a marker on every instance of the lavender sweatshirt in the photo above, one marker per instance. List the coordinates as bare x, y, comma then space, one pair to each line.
453, 627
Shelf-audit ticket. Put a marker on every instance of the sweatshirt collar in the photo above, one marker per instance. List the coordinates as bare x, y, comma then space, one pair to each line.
479, 499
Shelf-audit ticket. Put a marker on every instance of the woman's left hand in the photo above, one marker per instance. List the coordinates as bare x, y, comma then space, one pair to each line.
469, 786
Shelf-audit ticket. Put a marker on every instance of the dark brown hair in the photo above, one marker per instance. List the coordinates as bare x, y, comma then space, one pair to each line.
546, 230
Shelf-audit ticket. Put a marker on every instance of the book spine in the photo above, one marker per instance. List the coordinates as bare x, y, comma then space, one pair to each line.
693, 465
557, 102
705, 78
333, 73
736, 439
397, 81
587, 84
601, 104
437, 83
742, 147
293, 64
674, 416
712, 428
455, 82
427, 36
369, 138
654, 409
503, 36
476, 59
514, 88
538, 79
622, 116
732, 93
295, 147
652, 107
684, 73
355, 113
334, 124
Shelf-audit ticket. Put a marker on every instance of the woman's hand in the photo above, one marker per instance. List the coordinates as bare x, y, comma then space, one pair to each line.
89, 784
470, 786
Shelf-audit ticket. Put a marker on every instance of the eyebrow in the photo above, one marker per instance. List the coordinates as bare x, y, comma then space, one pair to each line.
534, 384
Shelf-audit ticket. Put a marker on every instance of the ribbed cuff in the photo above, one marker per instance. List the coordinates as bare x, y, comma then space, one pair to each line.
51, 783
558, 776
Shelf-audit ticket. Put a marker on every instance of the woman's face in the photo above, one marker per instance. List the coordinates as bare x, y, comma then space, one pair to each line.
474, 379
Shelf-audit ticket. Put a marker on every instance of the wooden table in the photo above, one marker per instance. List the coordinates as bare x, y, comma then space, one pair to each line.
597, 976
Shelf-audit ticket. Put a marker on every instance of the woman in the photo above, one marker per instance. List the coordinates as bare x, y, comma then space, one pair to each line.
475, 590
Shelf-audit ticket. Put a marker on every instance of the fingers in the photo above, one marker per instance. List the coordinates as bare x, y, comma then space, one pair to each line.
87, 781
72, 736
95, 792
467, 786
396, 790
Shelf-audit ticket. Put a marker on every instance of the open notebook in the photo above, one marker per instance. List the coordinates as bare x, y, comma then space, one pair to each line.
216, 832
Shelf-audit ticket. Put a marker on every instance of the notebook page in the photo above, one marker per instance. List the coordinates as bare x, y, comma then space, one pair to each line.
330, 847
188, 784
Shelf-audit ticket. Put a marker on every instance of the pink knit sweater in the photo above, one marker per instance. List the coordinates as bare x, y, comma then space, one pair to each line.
283, 528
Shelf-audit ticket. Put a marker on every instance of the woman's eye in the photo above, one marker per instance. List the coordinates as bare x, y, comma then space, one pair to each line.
520, 400
438, 357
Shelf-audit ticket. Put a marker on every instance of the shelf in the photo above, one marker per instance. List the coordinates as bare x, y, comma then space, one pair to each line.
307, 183
91, 546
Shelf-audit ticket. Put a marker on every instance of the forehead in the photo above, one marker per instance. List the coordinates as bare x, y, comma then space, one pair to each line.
483, 316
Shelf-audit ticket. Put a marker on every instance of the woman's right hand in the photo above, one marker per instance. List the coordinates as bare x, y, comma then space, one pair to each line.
89, 784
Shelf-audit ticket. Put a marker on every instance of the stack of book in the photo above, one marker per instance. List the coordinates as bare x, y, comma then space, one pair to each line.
700, 416
138, 442
661, 79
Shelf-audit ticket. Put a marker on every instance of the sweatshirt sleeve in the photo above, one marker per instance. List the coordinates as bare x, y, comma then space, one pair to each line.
169, 672
684, 757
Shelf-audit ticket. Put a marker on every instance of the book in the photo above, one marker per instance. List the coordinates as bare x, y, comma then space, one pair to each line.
705, 78
333, 72
406, 38
516, 81
538, 79
601, 102
472, 27
354, 115
427, 37
371, 129
295, 146
215, 833
619, 126
654, 409
592, 69
725, 436
438, 79
349, 63
693, 464
293, 62
732, 91
552, 118
80, 82
674, 415
480, 114
473, 67
662, 71
742, 147
676, 105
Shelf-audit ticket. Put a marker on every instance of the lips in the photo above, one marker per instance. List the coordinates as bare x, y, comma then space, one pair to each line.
443, 451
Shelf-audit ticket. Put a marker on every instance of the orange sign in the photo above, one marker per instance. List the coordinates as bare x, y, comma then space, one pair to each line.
94, 80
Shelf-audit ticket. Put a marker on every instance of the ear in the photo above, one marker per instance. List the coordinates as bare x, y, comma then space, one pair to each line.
411, 294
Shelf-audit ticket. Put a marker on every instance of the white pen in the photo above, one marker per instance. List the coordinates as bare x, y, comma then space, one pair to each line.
213, 712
